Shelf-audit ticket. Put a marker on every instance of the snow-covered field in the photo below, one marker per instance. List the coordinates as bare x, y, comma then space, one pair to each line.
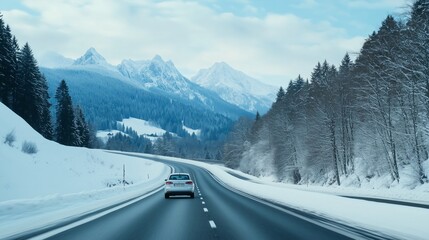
58, 182
143, 128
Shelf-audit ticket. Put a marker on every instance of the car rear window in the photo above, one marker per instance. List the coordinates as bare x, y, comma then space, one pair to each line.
179, 177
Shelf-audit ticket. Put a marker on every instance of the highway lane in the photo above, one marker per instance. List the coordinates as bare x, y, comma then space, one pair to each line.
218, 213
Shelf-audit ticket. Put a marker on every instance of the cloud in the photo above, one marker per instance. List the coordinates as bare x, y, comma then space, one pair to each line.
193, 36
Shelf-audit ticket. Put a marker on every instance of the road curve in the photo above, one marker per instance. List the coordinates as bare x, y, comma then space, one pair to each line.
216, 212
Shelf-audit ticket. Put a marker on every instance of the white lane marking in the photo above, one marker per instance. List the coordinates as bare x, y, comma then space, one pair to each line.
203, 202
199, 193
201, 198
212, 224
205, 209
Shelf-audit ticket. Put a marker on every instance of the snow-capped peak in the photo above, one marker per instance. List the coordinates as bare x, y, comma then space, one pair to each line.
236, 87
91, 57
221, 74
156, 73
157, 58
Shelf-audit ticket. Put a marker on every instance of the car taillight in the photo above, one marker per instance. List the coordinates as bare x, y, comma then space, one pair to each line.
168, 183
189, 182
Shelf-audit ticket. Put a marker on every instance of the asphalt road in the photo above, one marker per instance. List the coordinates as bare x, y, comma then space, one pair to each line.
216, 212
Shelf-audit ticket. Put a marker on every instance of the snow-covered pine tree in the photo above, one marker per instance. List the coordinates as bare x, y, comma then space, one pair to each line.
235, 145
82, 128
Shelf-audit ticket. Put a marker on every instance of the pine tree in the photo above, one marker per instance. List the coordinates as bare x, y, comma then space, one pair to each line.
82, 128
31, 95
8, 65
3, 63
65, 130
258, 116
280, 94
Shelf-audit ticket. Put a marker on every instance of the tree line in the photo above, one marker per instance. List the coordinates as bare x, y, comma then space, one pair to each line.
168, 144
24, 89
366, 118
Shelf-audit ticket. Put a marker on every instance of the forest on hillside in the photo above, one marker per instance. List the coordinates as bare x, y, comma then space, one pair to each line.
366, 118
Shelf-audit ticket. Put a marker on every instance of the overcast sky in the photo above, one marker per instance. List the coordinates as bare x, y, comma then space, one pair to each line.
271, 40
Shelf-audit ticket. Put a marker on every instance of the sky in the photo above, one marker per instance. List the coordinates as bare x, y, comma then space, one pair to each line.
271, 40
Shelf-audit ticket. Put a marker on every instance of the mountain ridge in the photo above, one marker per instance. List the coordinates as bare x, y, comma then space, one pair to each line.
157, 76
236, 87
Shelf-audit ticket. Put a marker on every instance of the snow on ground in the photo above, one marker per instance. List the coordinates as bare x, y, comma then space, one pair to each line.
105, 135
397, 221
191, 131
142, 127
58, 181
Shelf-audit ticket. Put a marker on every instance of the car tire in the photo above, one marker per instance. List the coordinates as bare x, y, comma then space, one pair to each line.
166, 196
192, 195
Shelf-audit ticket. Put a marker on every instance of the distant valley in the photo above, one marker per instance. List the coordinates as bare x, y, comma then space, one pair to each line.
154, 90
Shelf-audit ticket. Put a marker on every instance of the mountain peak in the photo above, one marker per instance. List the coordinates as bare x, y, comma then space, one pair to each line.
157, 58
236, 87
91, 56
221, 65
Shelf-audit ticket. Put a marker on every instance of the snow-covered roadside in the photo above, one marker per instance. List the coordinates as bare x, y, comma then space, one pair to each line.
56, 182
398, 221
18, 216
419, 195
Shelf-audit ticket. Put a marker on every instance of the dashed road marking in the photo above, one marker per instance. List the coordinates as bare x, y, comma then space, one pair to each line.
201, 198
205, 209
203, 202
212, 224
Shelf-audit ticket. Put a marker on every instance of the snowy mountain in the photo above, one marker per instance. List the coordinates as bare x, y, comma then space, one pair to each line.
161, 75
156, 76
91, 57
153, 90
236, 87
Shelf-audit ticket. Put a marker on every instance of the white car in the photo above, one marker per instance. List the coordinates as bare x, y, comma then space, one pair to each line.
179, 184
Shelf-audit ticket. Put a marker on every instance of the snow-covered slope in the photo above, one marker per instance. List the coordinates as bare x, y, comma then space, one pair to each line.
236, 87
58, 169
57, 181
143, 128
